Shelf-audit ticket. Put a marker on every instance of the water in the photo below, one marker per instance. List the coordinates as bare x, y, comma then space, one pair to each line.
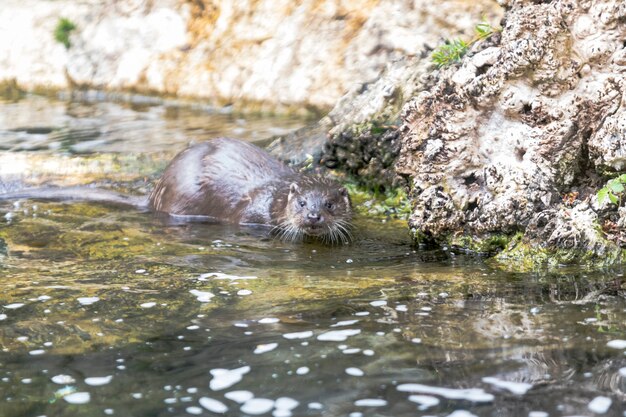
113, 311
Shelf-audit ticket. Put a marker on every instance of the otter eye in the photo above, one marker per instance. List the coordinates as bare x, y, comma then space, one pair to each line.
329, 205
302, 203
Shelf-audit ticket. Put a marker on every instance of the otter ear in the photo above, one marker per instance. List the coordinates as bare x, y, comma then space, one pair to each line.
294, 189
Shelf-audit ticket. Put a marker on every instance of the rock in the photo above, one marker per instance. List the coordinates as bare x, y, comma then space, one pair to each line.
498, 141
274, 55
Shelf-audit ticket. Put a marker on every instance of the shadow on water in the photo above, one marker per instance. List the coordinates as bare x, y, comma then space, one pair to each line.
111, 311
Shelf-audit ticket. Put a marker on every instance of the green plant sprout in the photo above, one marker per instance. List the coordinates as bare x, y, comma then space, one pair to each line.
62, 31
453, 50
613, 190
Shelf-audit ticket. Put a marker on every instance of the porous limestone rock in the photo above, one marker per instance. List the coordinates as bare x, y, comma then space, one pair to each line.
499, 141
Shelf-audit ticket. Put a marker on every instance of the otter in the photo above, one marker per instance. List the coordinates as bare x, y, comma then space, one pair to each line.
232, 181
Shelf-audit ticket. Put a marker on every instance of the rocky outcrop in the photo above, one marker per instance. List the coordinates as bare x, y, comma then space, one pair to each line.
514, 139
268, 54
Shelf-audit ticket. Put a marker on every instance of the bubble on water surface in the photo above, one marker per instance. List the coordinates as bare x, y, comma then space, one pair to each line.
370, 402
256, 406
147, 305
298, 335
239, 396
354, 372
269, 320
265, 348
469, 394
213, 405
303, 370
461, 413
338, 335
224, 378
88, 300
424, 401
78, 398
244, 292
63, 379
37, 352
345, 323
600, 405
378, 303
194, 410
202, 296
96, 381
617, 344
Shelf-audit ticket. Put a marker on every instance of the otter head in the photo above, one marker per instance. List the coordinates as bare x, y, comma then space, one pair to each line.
320, 209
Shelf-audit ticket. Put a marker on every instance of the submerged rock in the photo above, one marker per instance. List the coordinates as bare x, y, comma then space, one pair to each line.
513, 139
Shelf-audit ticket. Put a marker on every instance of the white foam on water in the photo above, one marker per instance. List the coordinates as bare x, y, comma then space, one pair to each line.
622, 372
351, 351
269, 320
315, 406
600, 405
354, 372
298, 335
224, 378
3, 317
213, 405
78, 398
345, 323
63, 379
239, 396
401, 308
424, 401
617, 344
202, 296
368, 352
538, 414
370, 402
193, 327
43, 298
147, 305
476, 395
416, 340
378, 303
338, 335
14, 306
256, 406
265, 348
517, 388
87, 300
96, 381
36, 352
244, 292
362, 313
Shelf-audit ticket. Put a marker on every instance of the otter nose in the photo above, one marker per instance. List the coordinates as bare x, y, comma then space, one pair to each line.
314, 216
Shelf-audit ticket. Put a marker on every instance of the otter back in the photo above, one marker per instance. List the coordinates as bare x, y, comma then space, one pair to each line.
225, 179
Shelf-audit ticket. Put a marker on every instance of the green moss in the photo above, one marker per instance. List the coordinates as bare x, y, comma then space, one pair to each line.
490, 244
376, 202
62, 31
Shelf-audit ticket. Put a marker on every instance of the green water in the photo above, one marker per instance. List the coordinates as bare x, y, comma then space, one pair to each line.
107, 310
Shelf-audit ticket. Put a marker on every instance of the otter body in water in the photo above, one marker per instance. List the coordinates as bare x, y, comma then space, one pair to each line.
232, 181
236, 182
